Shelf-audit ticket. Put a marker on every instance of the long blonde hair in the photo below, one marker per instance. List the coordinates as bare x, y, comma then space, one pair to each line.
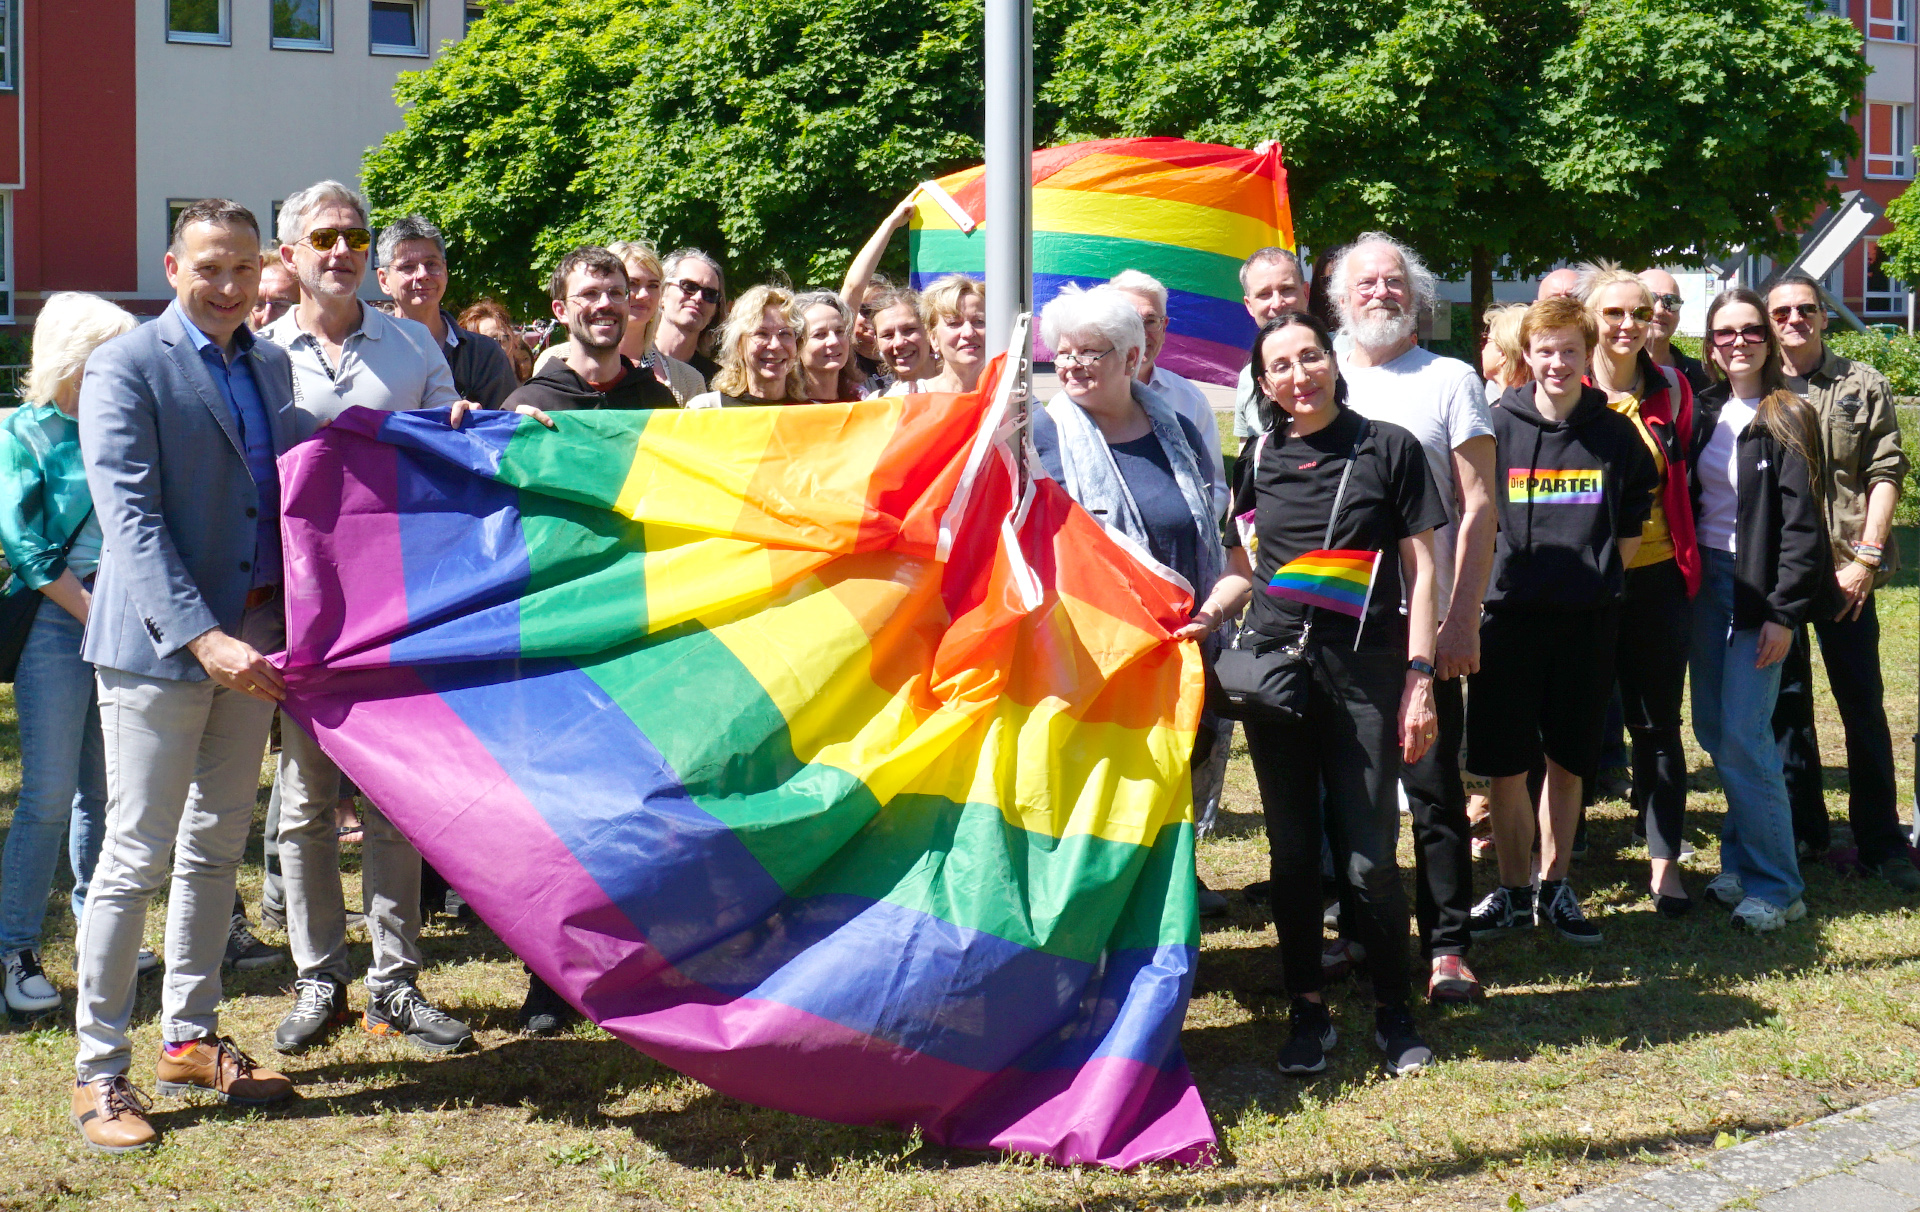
741, 323
68, 329
643, 252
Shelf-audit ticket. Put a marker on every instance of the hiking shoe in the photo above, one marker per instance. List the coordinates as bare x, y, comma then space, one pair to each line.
245, 952
1208, 902
1501, 910
1399, 1040
1312, 1037
1557, 906
1758, 916
111, 1114
28, 991
544, 1012
1727, 888
319, 1005
404, 1012
1452, 982
218, 1067
1901, 874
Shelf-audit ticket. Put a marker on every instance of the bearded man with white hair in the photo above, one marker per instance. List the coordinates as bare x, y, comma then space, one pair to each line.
1380, 286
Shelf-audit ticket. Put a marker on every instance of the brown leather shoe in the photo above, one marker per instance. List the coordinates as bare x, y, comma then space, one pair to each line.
111, 1114
219, 1067
1453, 982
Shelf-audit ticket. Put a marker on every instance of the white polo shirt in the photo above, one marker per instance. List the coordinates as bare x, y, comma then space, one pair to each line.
389, 363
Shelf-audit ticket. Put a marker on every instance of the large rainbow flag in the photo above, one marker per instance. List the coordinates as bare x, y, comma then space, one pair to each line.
794, 746
1187, 213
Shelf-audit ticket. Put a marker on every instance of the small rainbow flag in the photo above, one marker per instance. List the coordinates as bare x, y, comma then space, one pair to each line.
1187, 213
1336, 580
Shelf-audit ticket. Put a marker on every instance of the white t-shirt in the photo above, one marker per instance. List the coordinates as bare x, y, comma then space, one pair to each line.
1190, 402
1720, 475
1443, 403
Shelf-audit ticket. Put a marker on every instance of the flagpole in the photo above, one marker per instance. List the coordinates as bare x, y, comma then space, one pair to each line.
1009, 176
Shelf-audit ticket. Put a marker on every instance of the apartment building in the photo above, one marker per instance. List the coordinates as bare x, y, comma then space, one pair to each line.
1884, 119
105, 126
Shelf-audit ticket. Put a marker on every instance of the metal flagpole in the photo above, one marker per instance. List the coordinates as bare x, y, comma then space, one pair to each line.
1009, 175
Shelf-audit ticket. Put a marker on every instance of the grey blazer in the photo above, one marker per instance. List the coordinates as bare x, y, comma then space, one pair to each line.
177, 505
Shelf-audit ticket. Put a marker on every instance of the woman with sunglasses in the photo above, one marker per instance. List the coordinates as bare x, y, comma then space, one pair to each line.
759, 353
1656, 612
692, 306
1764, 563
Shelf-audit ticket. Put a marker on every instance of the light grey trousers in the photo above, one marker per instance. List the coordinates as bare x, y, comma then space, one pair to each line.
309, 787
183, 766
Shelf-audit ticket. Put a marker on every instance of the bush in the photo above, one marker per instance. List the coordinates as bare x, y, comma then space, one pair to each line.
1897, 357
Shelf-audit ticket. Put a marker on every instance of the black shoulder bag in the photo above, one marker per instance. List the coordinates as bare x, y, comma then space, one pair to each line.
1253, 683
19, 608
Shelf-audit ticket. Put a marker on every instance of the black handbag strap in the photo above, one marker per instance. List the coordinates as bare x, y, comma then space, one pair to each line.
67, 548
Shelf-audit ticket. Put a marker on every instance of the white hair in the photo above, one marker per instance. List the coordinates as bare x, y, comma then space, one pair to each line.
1102, 312
1420, 283
295, 211
70, 326
1145, 285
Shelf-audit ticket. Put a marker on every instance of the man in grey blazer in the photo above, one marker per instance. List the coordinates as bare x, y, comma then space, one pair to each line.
181, 421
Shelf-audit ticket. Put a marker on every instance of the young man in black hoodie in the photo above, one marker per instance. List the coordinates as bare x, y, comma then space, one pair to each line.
589, 289
1573, 483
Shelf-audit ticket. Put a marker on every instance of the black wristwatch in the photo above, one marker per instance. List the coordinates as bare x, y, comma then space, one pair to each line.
1420, 666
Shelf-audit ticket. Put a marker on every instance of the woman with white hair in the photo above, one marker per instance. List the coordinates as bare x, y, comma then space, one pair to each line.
51, 536
759, 353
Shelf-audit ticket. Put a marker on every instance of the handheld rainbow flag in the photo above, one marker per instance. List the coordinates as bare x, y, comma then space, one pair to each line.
784, 745
1187, 213
1334, 580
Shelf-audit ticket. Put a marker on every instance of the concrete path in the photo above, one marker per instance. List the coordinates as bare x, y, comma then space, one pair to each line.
1864, 1160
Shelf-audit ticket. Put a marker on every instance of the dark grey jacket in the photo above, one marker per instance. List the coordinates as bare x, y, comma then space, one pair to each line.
178, 507
482, 371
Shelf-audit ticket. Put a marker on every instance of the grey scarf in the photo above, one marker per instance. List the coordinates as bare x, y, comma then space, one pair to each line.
1094, 480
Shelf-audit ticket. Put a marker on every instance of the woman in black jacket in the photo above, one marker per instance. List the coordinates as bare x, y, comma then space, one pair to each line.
1764, 565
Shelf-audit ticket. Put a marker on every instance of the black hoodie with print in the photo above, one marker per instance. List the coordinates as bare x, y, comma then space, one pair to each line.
1566, 493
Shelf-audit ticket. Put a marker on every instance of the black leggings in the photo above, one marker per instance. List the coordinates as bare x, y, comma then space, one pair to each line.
1348, 744
1656, 626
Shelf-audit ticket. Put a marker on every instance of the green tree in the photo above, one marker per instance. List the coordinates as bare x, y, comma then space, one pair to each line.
1900, 248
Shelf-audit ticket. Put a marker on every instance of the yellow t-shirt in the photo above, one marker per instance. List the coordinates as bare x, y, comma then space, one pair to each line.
1656, 541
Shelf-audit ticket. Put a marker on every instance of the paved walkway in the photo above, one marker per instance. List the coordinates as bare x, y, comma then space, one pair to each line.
1863, 1160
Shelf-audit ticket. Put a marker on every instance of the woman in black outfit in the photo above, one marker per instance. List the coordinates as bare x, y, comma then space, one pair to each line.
1370, 705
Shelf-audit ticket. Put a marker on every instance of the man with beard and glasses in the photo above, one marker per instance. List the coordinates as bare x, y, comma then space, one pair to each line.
1380, 287
589, 289
347, 354
1666, 322
1270, 285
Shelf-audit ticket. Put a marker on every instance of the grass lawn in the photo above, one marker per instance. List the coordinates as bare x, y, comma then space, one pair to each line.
1582, 1067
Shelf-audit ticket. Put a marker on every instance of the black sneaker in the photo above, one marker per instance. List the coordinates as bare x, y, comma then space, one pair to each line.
245, 952
403, 1012
1501, 910
544, 1012
1397, 1038
319, 1005
1557, 906
1313, 1035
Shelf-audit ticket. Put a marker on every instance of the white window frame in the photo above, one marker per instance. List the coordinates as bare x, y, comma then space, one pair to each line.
1902, 154
9, 300
1901, 22
323, 43
419, 49
223, 38
1894, 298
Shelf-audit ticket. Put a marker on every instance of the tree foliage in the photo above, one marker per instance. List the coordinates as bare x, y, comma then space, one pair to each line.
776, 133
1900, 247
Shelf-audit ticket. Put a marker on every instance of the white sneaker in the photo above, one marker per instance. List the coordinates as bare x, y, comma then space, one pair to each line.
1758, 916
1727, 888
146, 961
27, 989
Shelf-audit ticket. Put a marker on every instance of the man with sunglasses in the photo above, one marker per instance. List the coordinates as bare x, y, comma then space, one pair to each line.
1863, 467
1666, 321
690, 301
344, 354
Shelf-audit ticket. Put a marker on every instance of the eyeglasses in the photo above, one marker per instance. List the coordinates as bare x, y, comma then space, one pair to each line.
693, 290
1752, 334
778, 336
593, 298
1619, 315
324, 238
1806, 311
1370, 286
1080, 360
1670, 302
1309, 360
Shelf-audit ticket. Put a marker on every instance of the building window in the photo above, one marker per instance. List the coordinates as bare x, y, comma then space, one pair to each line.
199, 21
174, 207
1889, 140
303, 25
474, 13
6, 255
1884, 296
1888, 19
6, 45
1838, 8
398, 27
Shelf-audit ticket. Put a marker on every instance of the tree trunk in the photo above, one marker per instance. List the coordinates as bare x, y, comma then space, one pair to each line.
1480, 287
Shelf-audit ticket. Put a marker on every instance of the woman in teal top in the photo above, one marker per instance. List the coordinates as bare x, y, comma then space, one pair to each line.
43, 501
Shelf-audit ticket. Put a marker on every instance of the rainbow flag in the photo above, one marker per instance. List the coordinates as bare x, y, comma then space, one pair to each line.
1336, 580
1187, 213
784, 746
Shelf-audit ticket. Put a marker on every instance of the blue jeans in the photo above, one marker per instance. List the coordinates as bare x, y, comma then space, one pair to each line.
1733, 721
63, 781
